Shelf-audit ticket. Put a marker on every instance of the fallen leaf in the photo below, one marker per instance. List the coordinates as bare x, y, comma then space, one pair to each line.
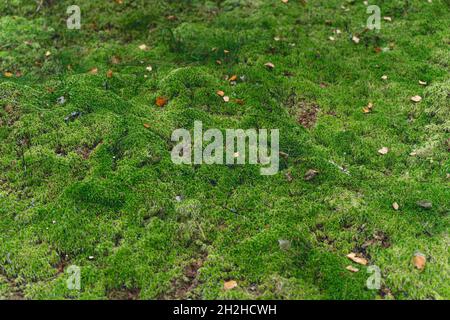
383, 150
416, 98
425, 204
161, 101
419, 260
146, 125
226, 98
331, 38
149, 68
143, 47
422, 83
387, 19
109, 74
8, 74
93, 71
355, 39
352, 269
289, 177
220, 93
233, 78
285, 1
311, 174
219, 62
352, 256
230, 285
385, 77
9, 108
270, 65
377, 49
239, 101
115, 60
48, 54
369, 108
226, 51
395, 206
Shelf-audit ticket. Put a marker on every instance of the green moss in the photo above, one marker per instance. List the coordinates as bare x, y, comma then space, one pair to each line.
83, 182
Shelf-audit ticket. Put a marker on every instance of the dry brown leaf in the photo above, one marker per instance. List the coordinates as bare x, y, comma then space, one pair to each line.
9, 108
416, 99
161, 101
352, 269
383, 151
219, 62
352, 256
233, 78
369, 108
115, 60
109, 74
311, 174
228, 285
220, 93
146, 125
239, 101
93, 71
8, 74
419, 260
289, 177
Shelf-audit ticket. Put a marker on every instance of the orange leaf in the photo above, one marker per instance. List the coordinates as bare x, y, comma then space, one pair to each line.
161, 101
146, 125
8, 74
419, 261
233, 78
220, 93
93, 71
230, 285
109, 74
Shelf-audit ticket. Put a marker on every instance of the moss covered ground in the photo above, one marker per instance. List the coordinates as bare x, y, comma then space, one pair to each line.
86, 177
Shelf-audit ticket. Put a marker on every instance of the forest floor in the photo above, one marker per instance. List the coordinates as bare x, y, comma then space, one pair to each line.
86, 177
